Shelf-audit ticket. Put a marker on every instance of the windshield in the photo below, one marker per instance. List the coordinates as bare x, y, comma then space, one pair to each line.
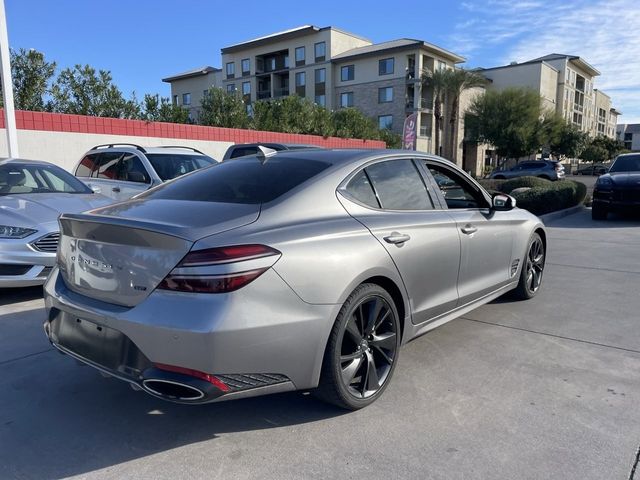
244, 180
169, 166
626, 163
18, 178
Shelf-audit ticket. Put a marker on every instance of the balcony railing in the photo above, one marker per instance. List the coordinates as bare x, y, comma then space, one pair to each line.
425, 132
281, 92
262, 94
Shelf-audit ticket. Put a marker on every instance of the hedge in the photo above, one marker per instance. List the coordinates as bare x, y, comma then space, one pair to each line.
543, 196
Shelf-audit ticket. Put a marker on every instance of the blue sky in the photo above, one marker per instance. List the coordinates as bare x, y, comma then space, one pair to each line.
142, 41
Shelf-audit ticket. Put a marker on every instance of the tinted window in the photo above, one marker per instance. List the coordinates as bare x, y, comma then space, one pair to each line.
457, 192
360, 188
169, 166
242, 151
86, 166
17, 179
399, 185
245, 180
108, 166
628, 163
132, 170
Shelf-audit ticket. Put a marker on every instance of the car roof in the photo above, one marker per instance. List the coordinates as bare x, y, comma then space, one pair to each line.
277, 144
170, 149
24, 161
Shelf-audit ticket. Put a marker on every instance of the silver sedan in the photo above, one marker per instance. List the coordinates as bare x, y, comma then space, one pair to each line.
288, 271
32, 196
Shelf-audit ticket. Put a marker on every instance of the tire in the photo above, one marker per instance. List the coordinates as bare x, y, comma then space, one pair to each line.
359, 361
598, 212
532, 269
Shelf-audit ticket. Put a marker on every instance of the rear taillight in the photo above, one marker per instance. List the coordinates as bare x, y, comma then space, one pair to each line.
208, 270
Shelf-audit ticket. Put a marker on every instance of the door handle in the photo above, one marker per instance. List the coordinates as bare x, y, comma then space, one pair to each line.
468, 229
115, 189
397, 238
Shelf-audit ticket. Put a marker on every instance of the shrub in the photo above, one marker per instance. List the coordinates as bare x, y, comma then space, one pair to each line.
519, 182
491, 184
552, 197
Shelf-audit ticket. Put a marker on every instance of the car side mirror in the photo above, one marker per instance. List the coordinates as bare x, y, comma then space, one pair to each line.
503, 203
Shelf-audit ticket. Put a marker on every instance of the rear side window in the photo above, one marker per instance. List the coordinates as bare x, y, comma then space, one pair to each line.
169, 166
132, 170
108, 166
86, 166
360, 188
399, 185
245, 181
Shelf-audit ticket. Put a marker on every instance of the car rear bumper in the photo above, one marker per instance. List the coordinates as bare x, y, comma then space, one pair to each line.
260, 339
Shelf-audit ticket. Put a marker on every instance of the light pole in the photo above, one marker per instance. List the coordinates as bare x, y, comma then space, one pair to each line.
7, 86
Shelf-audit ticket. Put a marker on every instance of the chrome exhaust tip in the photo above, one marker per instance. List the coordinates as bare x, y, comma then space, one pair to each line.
172, 390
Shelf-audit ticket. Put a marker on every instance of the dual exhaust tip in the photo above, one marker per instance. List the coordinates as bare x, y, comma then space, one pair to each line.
177, 387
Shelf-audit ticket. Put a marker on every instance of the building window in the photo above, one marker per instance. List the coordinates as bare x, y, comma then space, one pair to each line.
441, 65
301, 82
321, 100
347, 73
385, 66
175, 99
385, 95
320, 50
346, 99
231, 87
231, 70
321, 75
246, 88
246, 69
300, 56
385, 122
186, 99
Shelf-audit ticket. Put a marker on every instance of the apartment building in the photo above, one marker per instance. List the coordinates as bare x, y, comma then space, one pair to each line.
189, 88
629, 134
566, 85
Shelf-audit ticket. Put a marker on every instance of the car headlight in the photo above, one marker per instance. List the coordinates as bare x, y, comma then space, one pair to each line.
7, 231
604, 182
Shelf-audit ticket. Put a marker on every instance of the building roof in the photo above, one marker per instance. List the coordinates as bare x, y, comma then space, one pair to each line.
399, 44
579, 61
284, 35
516, 64
615, 111
196, 72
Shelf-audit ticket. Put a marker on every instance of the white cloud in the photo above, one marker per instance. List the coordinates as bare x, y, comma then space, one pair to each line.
605, 33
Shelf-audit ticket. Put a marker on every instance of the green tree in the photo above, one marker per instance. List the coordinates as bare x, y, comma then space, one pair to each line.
437, 82
160, 109
566, 139
222, 109
352, 123
509, 119
457, 81
595, 153
612, 146
31, 76
321, 122
82, 90
392, 140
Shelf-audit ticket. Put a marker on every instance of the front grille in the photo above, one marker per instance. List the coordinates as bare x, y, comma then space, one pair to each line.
14, 270
48, 243
254, 380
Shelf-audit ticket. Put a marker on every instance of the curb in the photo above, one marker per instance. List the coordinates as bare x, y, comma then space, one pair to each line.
548, 217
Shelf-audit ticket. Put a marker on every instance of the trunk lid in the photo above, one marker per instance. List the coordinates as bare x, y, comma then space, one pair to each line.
119, 254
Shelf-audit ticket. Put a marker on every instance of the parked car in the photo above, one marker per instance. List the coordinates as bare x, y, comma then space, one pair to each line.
592, 169
122, 170
284, 271
549, 169
32, 196
619, 188
244, 149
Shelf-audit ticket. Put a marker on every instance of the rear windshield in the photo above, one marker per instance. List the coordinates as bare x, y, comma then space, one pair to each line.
242, 181
628, 163
169, 166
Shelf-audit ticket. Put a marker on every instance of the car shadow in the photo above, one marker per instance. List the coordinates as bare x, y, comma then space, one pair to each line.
60, 419
583, 220
15, 295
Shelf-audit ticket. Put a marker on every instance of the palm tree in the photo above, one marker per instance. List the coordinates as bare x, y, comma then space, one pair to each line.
438, 81
456, 82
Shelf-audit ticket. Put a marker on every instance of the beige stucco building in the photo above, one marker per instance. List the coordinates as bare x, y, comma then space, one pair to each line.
189, 88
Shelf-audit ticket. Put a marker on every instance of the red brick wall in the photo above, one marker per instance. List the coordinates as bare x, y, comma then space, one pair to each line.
59, 122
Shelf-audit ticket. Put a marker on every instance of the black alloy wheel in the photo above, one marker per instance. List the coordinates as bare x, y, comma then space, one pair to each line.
362, 350
532, 270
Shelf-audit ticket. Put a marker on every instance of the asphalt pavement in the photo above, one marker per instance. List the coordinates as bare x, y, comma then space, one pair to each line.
543, 389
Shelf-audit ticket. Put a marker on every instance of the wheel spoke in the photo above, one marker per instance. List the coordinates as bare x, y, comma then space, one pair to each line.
384, 355
383, 317
350, 356
352, 329
372, 382
384, 340
350, 370
374, 306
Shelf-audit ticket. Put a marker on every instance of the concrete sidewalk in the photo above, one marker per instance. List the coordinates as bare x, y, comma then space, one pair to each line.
544, 389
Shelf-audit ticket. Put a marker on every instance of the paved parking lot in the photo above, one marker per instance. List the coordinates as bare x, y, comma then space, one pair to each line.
543, 389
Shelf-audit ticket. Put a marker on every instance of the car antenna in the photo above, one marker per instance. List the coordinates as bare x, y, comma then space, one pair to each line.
264, 153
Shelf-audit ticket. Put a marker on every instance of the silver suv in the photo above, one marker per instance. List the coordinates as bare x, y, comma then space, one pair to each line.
122, 170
